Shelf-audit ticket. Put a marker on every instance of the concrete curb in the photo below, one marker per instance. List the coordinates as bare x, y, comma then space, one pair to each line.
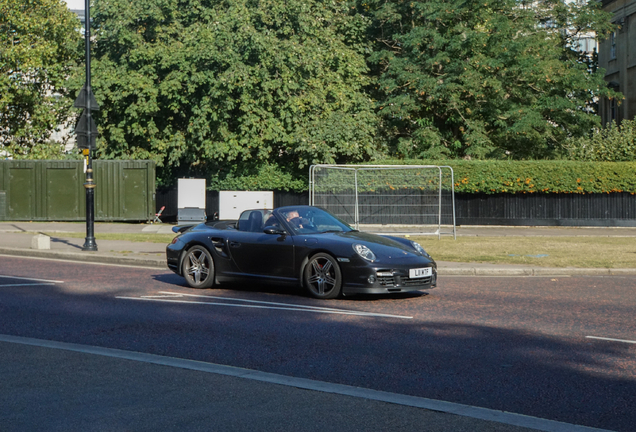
160, 263
89, 257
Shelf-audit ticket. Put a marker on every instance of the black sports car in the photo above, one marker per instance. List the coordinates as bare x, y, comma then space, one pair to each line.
299, 245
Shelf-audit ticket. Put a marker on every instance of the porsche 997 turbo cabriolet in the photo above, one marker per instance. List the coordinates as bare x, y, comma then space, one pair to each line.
299, 245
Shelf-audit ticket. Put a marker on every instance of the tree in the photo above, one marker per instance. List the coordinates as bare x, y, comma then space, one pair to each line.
222, 86
39, 40
487, 78
616, 143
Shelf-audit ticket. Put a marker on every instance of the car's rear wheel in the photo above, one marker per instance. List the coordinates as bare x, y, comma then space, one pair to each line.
322, 276
198, 267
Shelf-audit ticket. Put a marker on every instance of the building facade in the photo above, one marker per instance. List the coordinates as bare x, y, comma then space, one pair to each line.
617, 55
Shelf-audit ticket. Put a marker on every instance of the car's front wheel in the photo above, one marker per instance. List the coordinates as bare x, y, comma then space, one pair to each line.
322, 276
198, 267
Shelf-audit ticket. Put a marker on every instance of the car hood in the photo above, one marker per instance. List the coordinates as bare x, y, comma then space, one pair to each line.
385, 249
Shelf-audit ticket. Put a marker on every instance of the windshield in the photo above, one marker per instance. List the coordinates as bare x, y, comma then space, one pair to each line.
312, 220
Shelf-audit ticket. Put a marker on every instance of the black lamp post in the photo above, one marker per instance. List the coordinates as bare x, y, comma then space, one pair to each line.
86, 131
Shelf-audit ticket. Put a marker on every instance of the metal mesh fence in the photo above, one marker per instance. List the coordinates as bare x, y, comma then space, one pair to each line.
387, 195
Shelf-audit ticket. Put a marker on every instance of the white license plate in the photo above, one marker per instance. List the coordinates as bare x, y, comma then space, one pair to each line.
420, 272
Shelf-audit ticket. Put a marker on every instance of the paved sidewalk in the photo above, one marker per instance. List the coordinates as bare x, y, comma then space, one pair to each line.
16, 237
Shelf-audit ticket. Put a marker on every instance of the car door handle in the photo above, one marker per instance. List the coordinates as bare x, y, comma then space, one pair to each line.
234, 244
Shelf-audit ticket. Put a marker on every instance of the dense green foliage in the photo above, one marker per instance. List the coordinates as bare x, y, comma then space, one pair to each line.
38, 48
216, 87
614, 143
249, 93
483, 78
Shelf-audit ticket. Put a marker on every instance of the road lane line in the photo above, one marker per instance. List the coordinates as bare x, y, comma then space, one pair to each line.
263, 302
252, 306
287, 305
469, 411
18, 285
611, 339
30, 279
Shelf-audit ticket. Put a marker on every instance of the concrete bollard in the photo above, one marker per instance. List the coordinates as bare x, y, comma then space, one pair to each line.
41, 241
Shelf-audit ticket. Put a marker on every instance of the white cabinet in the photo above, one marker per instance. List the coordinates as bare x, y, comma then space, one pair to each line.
191, 200
233, 203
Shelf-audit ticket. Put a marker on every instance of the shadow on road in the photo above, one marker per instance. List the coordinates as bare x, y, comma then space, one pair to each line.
282, 290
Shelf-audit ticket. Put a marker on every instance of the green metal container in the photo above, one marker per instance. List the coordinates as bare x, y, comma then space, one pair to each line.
3, 205
54, 190
130, 191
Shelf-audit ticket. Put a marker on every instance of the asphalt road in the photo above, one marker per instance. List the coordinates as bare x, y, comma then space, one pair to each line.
520, 345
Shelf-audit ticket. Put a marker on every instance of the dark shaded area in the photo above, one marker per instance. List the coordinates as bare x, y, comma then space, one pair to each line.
615, 209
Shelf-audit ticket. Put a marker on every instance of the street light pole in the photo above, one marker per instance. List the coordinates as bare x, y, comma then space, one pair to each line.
86, 131
89, 241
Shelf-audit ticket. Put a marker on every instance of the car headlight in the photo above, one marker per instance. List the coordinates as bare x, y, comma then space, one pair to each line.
364, 252
418, 247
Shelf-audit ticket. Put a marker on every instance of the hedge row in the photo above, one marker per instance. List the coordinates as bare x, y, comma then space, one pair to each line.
488, 177
552, 176
269, 177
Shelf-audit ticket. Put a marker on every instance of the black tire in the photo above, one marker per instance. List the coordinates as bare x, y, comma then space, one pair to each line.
198, 267
322, 276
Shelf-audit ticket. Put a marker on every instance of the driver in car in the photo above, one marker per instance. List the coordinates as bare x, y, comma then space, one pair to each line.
294, 218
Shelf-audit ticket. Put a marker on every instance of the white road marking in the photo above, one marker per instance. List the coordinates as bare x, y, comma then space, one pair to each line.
269, 303
31, 279
18, 285
611, 339
469, 411
169, 297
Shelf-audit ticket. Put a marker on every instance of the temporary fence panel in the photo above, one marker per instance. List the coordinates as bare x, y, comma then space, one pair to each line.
421, 195
334, 188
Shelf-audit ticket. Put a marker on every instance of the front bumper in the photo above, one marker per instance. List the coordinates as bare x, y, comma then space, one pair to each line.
173, 255
380, 280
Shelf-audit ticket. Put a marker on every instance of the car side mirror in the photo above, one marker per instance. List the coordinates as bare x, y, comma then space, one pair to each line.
274, 230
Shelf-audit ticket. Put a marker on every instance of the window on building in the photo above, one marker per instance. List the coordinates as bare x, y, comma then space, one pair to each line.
612, 45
